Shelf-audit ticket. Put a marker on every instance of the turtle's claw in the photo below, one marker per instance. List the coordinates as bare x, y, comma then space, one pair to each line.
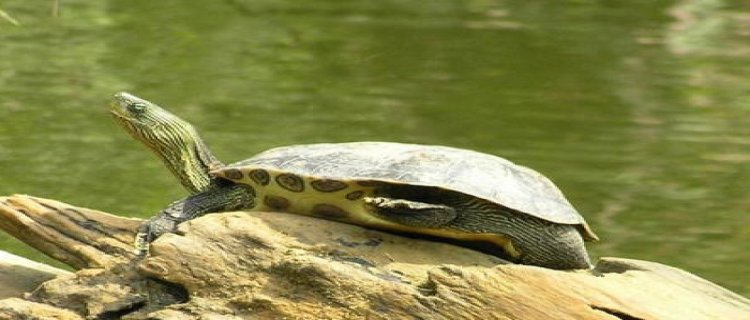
152, 229
142, 240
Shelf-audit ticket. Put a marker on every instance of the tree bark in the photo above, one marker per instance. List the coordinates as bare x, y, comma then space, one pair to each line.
263, 265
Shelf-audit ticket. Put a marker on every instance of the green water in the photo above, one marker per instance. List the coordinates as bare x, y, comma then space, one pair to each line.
638, 110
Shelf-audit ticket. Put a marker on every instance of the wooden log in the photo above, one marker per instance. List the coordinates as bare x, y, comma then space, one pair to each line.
262, 265
80, 238
19, 275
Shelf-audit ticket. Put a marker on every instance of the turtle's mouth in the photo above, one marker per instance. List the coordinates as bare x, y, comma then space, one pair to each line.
118, 114
121, 116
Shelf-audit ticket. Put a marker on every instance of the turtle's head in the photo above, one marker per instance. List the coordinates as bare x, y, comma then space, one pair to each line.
131, 110
174, 140
155, 127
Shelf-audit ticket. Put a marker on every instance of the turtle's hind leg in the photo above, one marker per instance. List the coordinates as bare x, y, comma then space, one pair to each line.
556, 246
533, 240
530, 240
412, 213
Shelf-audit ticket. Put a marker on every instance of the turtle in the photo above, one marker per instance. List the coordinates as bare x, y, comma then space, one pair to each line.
437, 191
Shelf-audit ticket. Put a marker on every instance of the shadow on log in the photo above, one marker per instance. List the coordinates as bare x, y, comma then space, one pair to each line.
272, 265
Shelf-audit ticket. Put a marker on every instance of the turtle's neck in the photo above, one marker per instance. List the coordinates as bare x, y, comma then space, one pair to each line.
174, 140
189, 160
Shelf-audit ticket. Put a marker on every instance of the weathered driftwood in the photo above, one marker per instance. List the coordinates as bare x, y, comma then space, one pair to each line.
19, 275
272, 266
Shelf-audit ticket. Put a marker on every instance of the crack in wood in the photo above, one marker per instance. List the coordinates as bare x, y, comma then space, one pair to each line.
616, 313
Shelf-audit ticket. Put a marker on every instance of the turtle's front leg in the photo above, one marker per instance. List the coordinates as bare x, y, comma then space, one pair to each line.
218, 199
164, 222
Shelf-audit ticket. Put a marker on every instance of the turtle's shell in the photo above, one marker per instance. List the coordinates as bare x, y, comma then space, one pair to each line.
469, 172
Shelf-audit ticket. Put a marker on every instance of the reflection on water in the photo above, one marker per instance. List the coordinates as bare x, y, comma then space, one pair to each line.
639, 111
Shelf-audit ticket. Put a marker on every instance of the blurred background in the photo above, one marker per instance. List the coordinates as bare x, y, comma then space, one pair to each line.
639, 110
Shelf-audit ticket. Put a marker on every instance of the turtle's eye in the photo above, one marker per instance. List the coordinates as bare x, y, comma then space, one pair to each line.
137, 108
